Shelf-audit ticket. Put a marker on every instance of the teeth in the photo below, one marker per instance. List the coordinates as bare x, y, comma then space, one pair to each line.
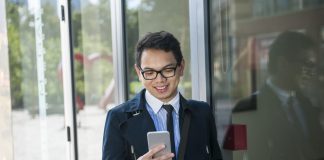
163, 87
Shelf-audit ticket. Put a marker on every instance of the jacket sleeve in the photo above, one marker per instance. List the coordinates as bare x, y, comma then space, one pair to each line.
215, 150
114, 146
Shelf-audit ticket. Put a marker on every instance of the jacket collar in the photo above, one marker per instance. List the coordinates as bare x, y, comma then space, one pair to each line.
184, 104
137, 103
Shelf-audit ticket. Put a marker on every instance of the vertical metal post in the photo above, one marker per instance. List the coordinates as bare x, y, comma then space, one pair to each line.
41, 79
199, 49
119, 57
68, 79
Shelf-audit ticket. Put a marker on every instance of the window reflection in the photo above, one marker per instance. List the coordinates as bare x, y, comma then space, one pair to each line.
274, 54
37, 124
93, 72
286, 116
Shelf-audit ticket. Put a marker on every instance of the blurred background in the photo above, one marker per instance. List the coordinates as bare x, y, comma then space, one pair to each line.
238, 35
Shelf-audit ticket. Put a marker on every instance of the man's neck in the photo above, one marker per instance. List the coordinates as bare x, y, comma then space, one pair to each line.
283, 85
156, 103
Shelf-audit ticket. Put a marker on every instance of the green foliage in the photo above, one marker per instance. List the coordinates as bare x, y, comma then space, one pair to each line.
14, 55
91, 37
22, 55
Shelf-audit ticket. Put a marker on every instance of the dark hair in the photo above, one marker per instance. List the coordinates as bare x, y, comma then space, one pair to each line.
158, 40
288, 45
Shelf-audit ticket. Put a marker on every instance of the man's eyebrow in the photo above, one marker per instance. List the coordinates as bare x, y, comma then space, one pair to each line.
169, 65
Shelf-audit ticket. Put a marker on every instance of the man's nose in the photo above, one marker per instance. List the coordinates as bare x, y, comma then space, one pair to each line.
160, 77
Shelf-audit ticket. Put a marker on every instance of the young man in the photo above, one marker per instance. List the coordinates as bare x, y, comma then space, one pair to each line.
160, 107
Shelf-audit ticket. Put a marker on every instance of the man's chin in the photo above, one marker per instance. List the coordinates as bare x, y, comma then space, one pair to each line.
163, 97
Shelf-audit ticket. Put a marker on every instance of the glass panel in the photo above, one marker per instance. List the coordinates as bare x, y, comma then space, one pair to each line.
93, 68
152, 16
6, 144
37, 111
268, 68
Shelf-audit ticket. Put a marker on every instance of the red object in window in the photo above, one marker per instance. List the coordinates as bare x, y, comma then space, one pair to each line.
236, 137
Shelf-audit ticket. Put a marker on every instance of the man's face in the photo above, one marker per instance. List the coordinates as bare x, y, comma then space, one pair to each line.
295, 72
155, 60
308, 68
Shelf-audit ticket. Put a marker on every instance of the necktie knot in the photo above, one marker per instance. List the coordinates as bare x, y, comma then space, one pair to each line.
168, 108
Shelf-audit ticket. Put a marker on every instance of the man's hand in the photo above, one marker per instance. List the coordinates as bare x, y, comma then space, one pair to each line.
149, 155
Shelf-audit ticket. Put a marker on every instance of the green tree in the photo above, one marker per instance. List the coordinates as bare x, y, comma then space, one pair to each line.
14, 55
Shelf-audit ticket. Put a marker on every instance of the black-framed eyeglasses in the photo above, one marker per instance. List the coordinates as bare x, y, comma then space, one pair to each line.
165, 72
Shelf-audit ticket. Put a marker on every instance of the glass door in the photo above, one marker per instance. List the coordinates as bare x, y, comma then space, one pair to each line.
6, 150
31, 92
142, 17
93, 73
268, 77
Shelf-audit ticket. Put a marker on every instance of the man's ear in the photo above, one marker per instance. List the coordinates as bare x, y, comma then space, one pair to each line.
138, 72
181, 67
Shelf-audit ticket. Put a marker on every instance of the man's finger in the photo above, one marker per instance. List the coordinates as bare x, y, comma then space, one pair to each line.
168, 156
155, 149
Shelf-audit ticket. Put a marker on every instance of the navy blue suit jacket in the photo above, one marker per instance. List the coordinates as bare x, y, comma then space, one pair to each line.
127, 125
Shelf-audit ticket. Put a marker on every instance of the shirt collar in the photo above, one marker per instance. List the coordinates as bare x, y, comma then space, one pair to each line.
156, 104
282, 94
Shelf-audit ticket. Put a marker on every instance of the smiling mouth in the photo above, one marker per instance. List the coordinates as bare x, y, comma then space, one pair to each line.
161, 89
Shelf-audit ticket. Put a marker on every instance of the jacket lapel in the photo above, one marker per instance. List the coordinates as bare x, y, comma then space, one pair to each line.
138, 123
185, 117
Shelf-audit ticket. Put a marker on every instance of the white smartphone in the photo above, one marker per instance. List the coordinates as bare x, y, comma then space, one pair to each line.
159, 137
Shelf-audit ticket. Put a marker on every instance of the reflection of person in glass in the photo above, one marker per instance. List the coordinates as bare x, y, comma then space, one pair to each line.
286, 124
160, 107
